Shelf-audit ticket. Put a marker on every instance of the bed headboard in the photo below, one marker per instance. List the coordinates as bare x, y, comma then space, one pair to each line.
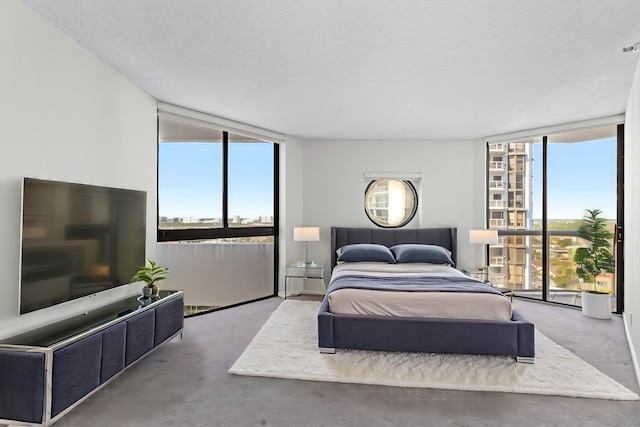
442, 236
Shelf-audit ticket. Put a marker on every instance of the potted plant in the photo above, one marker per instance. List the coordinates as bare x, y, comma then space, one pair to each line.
150, 274
596, 304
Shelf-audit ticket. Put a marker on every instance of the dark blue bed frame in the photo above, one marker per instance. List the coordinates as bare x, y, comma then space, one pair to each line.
510, 338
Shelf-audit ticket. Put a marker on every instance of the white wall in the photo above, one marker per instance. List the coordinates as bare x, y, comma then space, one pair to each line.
632, 216
449, 193
291, 214
67, 116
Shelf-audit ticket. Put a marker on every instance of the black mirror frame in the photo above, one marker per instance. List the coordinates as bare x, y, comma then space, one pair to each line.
409, 217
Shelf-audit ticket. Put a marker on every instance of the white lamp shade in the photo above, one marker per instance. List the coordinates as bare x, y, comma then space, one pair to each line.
485, 237
306, 234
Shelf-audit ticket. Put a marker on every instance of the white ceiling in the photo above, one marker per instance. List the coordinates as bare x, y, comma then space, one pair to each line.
369, 69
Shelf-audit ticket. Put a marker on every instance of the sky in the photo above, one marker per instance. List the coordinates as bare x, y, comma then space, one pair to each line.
190, 179
581, 176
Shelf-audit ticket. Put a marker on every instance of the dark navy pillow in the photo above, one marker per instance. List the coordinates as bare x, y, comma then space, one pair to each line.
365, 252
431, 254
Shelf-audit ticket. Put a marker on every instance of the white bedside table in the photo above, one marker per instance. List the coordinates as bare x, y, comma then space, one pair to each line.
295, 271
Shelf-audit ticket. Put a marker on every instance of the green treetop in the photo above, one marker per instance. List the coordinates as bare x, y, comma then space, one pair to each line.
597, 257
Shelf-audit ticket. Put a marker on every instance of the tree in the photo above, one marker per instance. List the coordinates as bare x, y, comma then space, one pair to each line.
566, 276
597, 257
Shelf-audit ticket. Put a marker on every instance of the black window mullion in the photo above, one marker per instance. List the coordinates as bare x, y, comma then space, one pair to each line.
545, 236
276, 216
158, 177
619, 240
487, 211
225, 179
276, 189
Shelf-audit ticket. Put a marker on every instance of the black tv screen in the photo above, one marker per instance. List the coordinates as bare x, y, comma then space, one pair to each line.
77, 240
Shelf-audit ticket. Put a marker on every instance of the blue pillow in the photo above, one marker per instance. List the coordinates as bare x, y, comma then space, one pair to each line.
431, 254
365, 252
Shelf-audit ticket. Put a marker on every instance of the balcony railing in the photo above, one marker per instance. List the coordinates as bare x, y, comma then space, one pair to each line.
522, 269
563, 296
497, 166
497, 185
218, 274
497, 223
497, 204
498, 148
502, 241
517, 148
497, 261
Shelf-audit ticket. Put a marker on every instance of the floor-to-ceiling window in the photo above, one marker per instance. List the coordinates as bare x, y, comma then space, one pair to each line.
556, 201
217, 213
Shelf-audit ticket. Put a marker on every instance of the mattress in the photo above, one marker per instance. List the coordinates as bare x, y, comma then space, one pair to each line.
433, 304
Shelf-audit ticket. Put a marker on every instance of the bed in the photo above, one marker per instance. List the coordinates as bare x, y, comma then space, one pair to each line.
387, 331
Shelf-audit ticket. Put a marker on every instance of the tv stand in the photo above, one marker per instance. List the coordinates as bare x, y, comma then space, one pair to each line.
48, 371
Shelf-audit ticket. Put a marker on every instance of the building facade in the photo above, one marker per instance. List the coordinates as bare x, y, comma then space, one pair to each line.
510, 192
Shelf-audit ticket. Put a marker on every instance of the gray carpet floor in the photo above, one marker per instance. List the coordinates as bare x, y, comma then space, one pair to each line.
185, 383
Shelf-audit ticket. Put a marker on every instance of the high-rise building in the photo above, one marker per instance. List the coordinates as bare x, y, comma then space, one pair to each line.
510, 190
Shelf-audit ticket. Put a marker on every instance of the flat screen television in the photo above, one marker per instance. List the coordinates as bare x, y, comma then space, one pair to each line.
77, 240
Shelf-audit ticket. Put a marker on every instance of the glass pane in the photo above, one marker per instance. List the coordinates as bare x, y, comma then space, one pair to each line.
514, 203
582, 201
190, 185
189, 176
251, 186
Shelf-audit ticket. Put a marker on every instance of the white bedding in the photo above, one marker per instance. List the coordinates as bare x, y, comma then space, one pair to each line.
413, 304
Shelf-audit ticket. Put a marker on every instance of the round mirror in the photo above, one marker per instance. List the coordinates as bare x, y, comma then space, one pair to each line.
390, 202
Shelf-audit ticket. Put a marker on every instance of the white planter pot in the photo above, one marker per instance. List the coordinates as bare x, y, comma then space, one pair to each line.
597, 306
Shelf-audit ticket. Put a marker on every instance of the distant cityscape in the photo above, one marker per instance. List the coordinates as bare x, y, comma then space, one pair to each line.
236, 219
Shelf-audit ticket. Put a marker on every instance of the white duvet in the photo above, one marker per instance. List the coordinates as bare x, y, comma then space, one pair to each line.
447, 305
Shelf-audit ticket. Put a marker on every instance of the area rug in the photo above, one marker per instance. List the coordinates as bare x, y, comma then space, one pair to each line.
287, 347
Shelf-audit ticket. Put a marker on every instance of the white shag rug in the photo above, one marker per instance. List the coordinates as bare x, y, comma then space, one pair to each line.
287, 347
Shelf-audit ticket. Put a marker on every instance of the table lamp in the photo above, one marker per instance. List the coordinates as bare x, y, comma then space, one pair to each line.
306, 235
484, 237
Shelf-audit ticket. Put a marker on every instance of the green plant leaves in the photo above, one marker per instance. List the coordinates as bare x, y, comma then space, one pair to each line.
150, 273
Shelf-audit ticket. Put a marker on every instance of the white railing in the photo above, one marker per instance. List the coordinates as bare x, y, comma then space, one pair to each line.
497, 261
502, 241
216, 273
497, 166
497, 204
497, 185
498, 147
497, 223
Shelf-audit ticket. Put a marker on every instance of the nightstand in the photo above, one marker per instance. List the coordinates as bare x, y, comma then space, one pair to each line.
478, 273
295, 271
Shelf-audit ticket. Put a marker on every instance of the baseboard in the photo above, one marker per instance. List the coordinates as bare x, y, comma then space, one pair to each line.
634, 357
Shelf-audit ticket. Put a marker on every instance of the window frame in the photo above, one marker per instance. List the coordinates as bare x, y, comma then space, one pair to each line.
180, 234
545, 233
